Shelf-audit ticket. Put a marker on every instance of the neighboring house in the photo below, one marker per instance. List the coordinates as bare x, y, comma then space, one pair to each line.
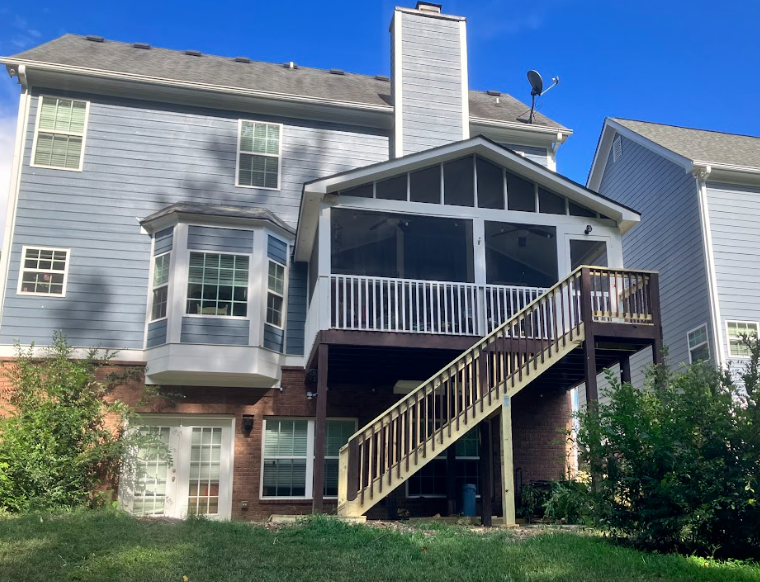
698, 193
253, 233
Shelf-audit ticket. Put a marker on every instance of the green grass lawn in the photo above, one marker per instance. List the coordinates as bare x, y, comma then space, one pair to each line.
106, 546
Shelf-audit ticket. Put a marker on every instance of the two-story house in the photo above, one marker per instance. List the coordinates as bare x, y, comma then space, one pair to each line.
699, 195
343, 276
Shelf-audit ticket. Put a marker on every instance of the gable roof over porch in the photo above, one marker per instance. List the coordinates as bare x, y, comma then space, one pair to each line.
316, 190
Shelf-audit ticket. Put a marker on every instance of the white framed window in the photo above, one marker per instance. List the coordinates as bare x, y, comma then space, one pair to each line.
430, 481
699, 349
185, 470
44, 271
59, 134
735, 332
259, 155
275, 293
160, 286
217, 284
287, 458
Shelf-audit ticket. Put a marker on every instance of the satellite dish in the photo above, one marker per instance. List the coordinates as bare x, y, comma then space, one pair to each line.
537, 89
536, 83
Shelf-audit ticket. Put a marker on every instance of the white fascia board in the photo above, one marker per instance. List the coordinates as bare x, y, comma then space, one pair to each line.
314, 192
605, 144
83, 79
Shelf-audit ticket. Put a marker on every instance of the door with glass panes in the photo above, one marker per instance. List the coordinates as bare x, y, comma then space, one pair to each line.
184, 468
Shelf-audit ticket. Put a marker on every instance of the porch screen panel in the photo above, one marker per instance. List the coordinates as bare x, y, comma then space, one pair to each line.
205, 465
151, 471
285, 457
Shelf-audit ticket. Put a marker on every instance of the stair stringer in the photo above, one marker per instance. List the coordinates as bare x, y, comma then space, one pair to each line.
402, 471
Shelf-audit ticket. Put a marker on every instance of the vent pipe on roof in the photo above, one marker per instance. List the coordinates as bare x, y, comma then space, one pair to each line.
93, 38
290, 65
242, 60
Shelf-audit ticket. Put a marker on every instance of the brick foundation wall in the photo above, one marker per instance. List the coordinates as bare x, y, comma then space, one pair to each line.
538, 418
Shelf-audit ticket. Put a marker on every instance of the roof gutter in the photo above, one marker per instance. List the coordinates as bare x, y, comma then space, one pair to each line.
701, 174
547, 130
150, 80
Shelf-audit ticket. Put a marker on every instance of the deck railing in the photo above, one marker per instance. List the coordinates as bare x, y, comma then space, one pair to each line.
381, 455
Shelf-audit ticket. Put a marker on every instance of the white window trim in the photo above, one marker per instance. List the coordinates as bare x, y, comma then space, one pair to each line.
310, 436
83, 135
187, 285
728, 337
22, 270
153, 287
706, 342
278, 156
281, 295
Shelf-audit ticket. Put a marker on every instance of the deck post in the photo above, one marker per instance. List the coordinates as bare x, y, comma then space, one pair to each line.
320, 430
589, 348
451, 480
486, 461
507, 463
654, 302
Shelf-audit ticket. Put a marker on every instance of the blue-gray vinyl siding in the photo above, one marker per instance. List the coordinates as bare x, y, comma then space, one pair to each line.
139, 158
219, 240
164, 241
215, 330
277, 250
533, 153
668, 239
296, 316
735, 227
274, 338
431, 73
156, 333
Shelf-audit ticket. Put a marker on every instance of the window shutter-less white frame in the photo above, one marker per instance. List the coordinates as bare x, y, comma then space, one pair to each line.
53, 134
697, 338
733, 339
23, 269
264, 155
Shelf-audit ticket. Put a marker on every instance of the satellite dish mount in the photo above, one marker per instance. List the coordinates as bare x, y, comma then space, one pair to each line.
537, 89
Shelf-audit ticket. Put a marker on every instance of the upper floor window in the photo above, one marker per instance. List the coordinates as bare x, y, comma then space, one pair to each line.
259, 148
275, 293
160, 286
44, 271
60, 132
699, 349
737, 330
217, 284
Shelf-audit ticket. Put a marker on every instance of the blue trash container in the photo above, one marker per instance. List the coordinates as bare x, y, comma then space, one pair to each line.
468, 500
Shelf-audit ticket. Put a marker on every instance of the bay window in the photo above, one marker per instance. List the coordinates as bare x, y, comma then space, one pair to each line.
160, 286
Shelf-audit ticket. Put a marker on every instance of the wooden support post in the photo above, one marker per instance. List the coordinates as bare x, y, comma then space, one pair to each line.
451, 479
589, 347
507, 464
486, 461
625, 369
654, 303
320, 430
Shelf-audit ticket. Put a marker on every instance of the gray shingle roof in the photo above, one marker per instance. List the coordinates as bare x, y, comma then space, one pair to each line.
244, 212
120, 57
700, 144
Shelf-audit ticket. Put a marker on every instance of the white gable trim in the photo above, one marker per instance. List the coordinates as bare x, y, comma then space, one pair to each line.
315, 192
604, 146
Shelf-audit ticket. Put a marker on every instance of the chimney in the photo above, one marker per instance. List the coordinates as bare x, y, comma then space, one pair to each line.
430, 90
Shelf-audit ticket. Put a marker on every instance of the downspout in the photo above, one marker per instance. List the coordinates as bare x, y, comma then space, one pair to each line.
701, 173
15, 183
558, 141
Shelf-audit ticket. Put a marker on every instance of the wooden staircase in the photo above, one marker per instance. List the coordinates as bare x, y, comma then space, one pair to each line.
403, 439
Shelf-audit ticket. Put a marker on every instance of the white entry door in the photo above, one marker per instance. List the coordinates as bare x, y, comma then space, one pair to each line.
195, 478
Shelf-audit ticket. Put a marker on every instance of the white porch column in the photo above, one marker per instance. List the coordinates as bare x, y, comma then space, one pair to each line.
479, 254
324, 235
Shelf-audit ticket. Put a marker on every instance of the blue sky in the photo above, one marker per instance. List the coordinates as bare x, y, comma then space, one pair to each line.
689, 63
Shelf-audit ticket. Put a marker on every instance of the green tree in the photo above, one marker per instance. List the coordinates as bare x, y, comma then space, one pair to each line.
678, 464
65, 439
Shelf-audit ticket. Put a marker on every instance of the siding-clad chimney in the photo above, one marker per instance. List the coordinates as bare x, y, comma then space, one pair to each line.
430, 91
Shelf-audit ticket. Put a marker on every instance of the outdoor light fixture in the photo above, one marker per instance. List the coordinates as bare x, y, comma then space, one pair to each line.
311, 395
247, 423
588, 229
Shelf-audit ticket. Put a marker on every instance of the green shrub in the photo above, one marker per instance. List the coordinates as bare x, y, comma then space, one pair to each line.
677, 465
533, 498
63, 440
569, 502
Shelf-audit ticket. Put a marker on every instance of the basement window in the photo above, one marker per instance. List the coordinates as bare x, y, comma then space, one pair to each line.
259, 153
430, 481
60, 133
